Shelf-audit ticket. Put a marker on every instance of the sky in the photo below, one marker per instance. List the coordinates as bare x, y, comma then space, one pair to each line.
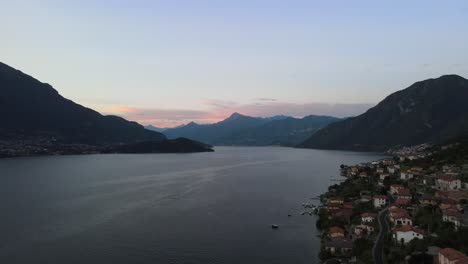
170, 62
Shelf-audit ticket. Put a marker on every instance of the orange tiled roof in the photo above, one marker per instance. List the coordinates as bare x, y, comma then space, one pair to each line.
452, 254
404, 191
407, 228
336, 229
364, 215
402, 201
448, 178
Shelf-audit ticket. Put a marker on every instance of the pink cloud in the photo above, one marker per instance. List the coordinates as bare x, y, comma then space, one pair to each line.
220, 109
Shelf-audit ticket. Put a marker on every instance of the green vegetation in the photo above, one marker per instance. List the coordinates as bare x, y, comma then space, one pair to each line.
456, 154
325, 220
351, 188
362, 249
429, 218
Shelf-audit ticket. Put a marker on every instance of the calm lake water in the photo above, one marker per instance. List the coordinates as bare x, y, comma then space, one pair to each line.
165, 208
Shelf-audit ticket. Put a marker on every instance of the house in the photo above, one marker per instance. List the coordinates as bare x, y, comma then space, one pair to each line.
407, 233
456, 195
336, 231
337, 200
380, 201
403, 193
451, 256
428, 200
395, 187
448, 182
383, 176
363, 174
364, 229
388, 161
402, 219
380, 170
395, 212
339, 246
391, 169
402, 202
448, 204
344, 214
453, 216
332, 207
406, 175
368, 217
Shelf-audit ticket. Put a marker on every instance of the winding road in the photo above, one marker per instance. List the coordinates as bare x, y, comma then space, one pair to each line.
377, 251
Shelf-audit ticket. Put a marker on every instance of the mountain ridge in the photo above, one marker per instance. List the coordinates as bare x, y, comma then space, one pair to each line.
34, 112
238, 129
431, 111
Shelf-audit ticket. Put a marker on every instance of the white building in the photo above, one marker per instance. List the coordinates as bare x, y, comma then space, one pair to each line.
403, 220
368, 217
407, 233
406, 175
394, 188
380, 201
453, 216
383, 176
448, 182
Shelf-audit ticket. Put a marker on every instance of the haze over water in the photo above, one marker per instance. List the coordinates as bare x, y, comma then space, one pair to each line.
166, 208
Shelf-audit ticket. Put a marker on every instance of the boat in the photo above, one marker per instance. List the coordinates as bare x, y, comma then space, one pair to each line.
274, 226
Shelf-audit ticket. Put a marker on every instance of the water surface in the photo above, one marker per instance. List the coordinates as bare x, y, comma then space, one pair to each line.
165, 208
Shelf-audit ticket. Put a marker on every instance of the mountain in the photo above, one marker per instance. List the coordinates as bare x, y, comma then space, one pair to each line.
287, 132
253, 131
153, 128
429, 111
35, 112
213, 132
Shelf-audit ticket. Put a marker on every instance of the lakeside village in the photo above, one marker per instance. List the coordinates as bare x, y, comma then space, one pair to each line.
420, 196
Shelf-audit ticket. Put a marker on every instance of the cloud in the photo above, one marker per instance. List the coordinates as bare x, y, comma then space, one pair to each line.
220, 109
162, 117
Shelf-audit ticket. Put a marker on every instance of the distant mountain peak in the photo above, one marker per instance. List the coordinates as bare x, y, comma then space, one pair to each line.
235, 116
153, 128
451, 76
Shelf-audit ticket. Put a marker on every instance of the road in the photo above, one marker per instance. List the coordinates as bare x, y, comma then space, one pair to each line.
377, 251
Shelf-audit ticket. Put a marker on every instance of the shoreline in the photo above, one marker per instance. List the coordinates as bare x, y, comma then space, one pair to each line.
384, 211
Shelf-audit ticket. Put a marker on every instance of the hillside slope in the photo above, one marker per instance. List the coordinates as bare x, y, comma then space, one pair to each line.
431, 111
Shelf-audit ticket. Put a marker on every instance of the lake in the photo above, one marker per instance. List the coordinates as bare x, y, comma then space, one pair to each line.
166, 208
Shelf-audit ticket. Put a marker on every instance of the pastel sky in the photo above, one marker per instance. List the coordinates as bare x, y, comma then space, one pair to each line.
170, 62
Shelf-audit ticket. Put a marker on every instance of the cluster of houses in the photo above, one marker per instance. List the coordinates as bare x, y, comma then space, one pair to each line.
338, 242
402, 191
412, 152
